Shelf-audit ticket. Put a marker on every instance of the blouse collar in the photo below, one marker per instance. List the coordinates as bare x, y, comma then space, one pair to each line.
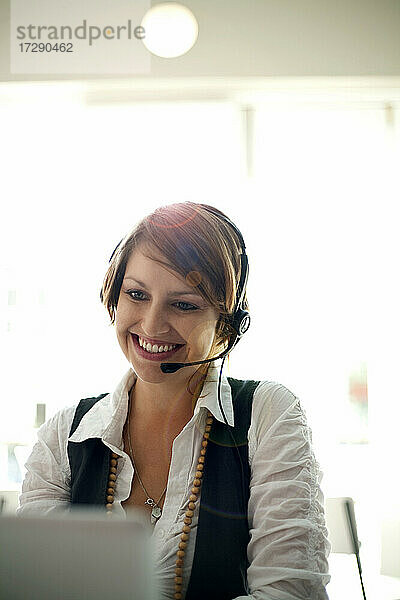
107, 417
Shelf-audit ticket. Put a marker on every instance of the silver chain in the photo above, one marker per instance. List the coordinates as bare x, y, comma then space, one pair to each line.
156, 512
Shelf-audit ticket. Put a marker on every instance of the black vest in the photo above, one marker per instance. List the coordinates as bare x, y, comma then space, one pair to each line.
219, 570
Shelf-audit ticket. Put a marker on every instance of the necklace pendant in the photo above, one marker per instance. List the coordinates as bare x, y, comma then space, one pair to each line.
150, 502
155, 513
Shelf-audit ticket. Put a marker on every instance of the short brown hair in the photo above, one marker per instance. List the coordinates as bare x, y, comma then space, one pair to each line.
203, 248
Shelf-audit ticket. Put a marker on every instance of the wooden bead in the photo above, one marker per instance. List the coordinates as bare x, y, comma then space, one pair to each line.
178, 579
196, 482
200, 467
199, 474
113, 455
109, 505
177, 596
192, 498
110, 491
113, 477
180, 553
178, 570
191, 505
201, 459
184, 537
179, 562
178, 587
189, 513
195, 490
186, 529
209, 420
111, 484
206, 435
108, 513
202, 453
207, 428
182, 545
113, 470
113, 462
110, 499
187, 520
204, 443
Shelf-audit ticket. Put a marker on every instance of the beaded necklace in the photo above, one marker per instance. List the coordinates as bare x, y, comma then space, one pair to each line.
194, 495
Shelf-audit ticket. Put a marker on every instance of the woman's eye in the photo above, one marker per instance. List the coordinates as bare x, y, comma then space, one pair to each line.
131, 292
186, 306
191, 306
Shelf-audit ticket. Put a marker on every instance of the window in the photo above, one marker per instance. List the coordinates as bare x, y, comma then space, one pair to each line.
317, 209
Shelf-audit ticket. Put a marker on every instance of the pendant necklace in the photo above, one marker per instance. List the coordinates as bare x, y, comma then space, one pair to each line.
155, 508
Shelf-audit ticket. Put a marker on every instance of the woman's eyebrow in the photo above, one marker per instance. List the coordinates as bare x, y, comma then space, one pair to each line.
176, 293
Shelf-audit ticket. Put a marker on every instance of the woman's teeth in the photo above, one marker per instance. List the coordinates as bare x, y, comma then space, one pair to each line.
154, 348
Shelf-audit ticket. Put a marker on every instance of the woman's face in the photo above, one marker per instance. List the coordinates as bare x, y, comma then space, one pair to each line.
158, 305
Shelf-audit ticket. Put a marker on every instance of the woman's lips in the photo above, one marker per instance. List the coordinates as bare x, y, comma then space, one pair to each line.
155, 356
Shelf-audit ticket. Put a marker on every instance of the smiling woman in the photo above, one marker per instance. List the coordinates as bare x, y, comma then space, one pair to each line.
226, 473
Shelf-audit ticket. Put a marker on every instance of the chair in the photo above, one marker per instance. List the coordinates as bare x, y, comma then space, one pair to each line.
342, 528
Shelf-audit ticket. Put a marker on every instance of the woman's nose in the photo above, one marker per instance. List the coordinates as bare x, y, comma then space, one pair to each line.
154, 322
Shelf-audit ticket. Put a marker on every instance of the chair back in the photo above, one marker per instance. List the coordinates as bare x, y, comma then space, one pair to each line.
341, 525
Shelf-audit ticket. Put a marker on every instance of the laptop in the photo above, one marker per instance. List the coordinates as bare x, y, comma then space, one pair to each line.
82, 554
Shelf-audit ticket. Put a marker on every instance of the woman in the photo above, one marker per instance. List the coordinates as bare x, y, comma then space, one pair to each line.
224, 467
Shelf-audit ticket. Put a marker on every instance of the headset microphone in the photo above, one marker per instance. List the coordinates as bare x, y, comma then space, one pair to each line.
173, 367
239, 321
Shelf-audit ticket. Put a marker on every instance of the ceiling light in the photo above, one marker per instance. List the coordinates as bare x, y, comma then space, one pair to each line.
170, 28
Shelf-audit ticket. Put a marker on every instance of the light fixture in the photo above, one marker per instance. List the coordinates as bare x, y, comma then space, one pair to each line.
170, 28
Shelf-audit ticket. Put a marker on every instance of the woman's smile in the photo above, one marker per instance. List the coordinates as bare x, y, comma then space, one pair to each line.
154, 355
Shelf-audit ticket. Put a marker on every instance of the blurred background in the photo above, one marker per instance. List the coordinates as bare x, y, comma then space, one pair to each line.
286, 116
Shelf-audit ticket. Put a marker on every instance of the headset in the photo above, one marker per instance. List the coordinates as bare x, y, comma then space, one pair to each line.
239, 321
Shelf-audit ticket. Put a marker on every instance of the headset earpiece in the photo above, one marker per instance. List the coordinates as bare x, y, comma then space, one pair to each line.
241, 321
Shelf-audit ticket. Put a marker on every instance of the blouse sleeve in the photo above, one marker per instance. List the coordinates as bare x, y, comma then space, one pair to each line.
46, 486
289, 547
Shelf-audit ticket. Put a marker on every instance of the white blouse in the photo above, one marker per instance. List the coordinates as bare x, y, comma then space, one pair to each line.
288, 548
